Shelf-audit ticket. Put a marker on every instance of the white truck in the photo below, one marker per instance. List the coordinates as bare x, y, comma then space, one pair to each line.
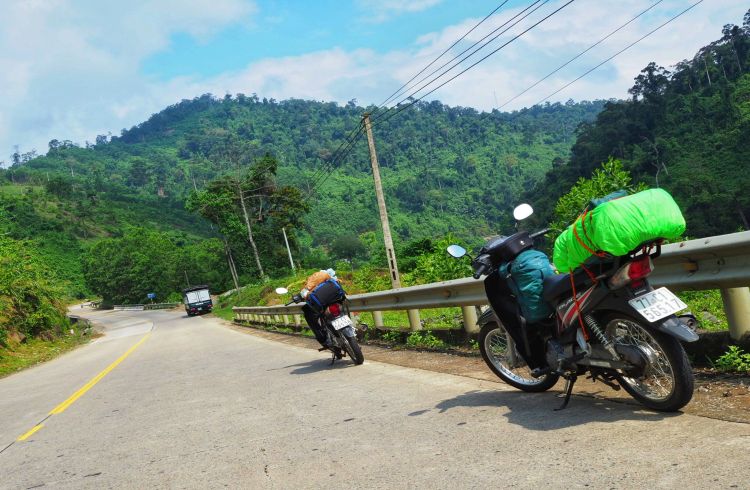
197, 300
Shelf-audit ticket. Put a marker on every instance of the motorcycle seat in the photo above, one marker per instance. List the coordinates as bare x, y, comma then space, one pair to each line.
558, 285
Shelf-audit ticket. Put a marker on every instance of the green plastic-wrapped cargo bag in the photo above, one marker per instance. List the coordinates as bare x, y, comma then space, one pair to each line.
619, 226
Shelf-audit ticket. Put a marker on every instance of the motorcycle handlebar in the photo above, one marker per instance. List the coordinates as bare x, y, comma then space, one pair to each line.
481, 266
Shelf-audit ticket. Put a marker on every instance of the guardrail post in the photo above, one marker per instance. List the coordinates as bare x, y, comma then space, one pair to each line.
414, 322
737, 307
470, 319
377, 319
286, 321
297, 321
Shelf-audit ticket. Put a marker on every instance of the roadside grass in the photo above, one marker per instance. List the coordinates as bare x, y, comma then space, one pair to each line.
432, 319
707, 307
34, 351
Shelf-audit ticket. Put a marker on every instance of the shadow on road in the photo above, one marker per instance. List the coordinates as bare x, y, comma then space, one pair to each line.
315, 366
536, 411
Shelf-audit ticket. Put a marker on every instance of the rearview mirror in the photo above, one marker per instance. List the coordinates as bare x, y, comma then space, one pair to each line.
456, 251
281, 290
522, 212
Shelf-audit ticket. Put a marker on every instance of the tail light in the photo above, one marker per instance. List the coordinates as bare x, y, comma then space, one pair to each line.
334, 309
632, 273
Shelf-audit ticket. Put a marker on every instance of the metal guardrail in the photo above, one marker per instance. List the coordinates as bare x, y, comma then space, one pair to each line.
720, 262
128, 307
160, 306
148, 306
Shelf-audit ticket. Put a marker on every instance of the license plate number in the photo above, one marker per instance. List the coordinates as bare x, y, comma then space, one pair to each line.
342, 322
657, 304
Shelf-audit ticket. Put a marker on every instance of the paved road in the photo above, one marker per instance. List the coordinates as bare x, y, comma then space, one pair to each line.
197, 405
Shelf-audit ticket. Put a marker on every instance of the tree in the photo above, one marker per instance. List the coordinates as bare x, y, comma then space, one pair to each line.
609, 178
348, 247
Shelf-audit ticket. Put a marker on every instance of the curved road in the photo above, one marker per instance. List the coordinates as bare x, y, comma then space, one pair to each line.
168, 401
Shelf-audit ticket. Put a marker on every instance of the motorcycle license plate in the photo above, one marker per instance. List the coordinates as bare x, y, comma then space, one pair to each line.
342, 322
657, 304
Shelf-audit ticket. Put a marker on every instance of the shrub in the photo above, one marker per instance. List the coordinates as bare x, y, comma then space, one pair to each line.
734, 359
424, 339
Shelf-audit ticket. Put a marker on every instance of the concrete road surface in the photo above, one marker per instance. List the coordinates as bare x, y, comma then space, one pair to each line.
165, 401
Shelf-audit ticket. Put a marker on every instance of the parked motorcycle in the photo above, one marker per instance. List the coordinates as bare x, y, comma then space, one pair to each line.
607, 321
336, 320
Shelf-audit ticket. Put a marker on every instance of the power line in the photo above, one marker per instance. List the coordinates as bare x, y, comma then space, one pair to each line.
331, 165
619, 52
580, 54
322, 174
341, 153
395, 94
402, 108
457, 63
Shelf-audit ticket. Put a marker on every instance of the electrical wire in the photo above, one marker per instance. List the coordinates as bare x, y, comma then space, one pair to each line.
457, 63
397, 92
619, 52
580, 54
404, 107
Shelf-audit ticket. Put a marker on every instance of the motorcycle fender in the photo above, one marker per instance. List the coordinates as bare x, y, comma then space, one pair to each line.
349, 332
618, 301
676, 328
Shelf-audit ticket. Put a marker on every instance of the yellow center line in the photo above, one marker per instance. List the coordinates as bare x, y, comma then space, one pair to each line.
30, 433
78, 394
83, 389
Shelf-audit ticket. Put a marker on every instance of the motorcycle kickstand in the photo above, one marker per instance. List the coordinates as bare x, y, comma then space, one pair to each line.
570, 380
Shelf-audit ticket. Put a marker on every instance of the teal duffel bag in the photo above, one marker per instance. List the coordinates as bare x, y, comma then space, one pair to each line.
525, 275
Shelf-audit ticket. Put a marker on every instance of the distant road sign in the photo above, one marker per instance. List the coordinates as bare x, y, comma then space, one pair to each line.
151, 295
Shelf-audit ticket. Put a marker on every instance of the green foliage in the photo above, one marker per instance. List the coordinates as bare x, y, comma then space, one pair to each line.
142, 261
684, 130
437, 265
424, 339
248, 207
706, 306
392, 336
734, 359
30, 302
609, 178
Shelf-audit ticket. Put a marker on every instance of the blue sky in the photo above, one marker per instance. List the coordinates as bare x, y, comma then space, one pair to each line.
72, 69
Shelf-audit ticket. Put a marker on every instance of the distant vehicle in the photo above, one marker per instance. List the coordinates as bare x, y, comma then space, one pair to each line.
197, 300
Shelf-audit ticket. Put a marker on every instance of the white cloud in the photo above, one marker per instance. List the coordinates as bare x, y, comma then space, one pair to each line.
385, 9
68, 66
66, 83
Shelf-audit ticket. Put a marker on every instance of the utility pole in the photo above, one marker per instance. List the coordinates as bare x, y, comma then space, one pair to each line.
288, 250
389, 250
414, 321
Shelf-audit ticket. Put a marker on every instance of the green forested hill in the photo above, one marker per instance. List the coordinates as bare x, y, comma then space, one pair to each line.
685, 129
444, 169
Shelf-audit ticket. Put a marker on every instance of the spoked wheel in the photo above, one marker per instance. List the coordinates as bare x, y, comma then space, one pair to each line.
353, 350
665, 380
499, 352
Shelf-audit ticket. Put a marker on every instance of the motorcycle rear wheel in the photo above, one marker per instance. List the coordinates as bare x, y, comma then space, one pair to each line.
495, 346
353, 349
666, 383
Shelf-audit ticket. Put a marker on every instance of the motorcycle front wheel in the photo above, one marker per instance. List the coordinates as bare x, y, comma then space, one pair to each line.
353, 349
665, 382
499, 352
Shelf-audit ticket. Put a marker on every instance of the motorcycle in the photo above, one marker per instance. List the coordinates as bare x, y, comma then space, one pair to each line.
336, 320
607, 321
